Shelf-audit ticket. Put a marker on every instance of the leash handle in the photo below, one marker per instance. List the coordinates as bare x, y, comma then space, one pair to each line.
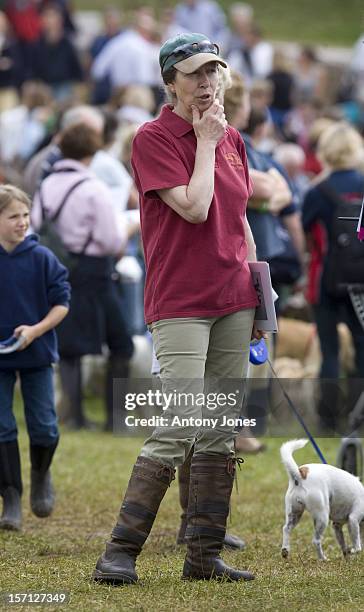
298, 416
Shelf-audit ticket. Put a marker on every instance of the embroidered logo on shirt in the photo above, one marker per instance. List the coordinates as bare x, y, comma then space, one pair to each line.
233, 159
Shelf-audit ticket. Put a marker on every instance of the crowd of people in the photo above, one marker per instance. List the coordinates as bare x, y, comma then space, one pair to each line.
238, 140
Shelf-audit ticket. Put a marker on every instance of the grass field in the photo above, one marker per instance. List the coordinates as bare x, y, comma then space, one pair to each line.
332, 22
91, 472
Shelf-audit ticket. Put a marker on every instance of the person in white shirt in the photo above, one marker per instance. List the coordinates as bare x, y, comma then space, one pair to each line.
255, 59
131, 57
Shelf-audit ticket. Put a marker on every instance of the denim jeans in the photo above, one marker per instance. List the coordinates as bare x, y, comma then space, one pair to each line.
37, 390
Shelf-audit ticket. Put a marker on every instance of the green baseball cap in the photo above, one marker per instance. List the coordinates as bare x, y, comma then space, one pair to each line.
187, 52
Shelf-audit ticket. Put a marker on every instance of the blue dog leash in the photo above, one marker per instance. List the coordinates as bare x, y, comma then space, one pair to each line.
258, 356
258, 352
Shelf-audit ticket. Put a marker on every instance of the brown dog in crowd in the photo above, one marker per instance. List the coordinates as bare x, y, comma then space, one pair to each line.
298, 354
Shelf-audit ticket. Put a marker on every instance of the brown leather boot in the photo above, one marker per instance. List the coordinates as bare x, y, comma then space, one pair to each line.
231, 542
147, 486
212, 478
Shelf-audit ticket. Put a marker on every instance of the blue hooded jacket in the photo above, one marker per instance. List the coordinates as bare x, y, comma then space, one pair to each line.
32, 281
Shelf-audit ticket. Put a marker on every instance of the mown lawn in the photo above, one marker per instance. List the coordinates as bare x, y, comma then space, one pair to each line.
91, 472
332, 22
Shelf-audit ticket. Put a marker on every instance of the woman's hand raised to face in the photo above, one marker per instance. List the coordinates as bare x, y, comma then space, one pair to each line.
211, 125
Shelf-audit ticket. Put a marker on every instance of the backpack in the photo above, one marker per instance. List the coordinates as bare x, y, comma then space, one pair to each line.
344, 267
49, 236
285, 268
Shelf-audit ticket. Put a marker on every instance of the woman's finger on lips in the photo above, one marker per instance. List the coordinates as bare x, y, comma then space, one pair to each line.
214, 106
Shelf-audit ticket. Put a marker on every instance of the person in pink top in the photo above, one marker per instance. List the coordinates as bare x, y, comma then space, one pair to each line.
86, 219
192, 176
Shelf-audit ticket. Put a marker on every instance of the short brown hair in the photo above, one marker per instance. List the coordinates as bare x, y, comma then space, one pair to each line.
9, 193
79, 141
169, 75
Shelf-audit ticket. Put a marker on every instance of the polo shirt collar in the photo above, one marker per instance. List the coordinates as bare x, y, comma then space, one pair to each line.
174, 123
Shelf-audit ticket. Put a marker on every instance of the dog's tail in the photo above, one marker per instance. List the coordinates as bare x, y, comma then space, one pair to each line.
287, 449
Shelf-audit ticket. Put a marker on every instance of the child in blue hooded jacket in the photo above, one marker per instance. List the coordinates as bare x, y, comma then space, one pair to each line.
34, 299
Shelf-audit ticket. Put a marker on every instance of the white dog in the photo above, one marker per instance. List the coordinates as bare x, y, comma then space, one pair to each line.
328, 493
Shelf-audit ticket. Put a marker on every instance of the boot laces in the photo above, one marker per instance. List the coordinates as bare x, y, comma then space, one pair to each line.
166, 471
231, 464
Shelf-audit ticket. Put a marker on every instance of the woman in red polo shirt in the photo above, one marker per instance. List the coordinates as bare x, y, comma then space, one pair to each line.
191, 173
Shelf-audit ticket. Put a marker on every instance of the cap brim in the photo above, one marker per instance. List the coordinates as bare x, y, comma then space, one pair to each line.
196, 61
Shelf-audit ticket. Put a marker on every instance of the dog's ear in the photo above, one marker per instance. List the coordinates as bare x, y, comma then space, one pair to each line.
304, 472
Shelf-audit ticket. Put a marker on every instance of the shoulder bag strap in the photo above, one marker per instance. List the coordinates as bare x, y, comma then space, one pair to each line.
55, 216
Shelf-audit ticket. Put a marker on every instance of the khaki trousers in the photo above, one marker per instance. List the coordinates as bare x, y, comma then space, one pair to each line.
200, 357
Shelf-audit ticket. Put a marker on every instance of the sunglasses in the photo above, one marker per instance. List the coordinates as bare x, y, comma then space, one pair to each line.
189, 49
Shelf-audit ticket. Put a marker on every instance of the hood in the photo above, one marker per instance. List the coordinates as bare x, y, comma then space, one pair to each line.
29, 243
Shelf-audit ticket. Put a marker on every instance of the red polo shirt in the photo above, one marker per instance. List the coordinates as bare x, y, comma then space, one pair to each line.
193, 270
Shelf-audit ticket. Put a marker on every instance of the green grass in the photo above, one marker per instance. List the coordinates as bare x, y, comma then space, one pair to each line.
332, 22
91, 471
